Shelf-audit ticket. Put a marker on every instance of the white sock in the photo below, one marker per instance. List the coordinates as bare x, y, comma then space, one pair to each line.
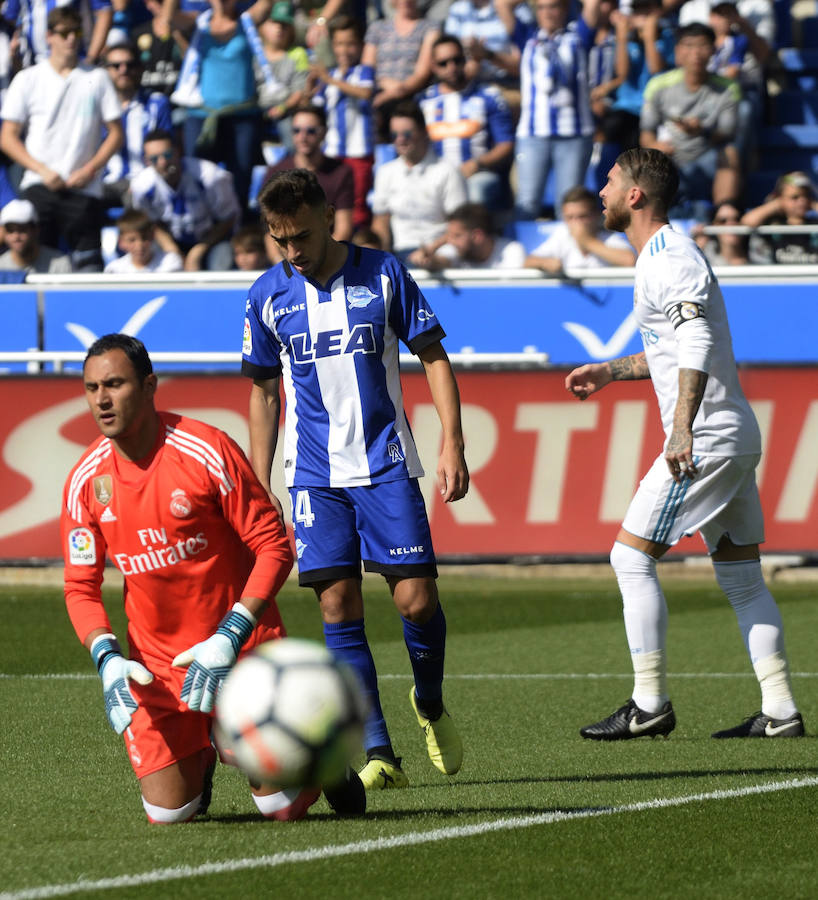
159, 815
645, 612
762, 631
776, 691
273, 803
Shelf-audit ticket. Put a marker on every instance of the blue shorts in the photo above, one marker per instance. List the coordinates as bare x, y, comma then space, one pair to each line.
382, 525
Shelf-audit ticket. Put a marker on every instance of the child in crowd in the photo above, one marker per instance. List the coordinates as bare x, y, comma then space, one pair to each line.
141, 251
346, 92
793, 202
290, 65
248, 249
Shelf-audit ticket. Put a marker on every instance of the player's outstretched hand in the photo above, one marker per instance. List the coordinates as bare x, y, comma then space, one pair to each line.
585, 380
209, 661
115, 672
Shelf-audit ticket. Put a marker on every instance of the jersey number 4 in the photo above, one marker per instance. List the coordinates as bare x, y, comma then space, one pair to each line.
303, 513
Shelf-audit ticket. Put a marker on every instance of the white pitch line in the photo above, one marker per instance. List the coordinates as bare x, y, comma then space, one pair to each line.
410, 839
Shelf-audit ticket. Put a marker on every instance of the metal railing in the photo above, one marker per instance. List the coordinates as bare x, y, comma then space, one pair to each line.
58, 358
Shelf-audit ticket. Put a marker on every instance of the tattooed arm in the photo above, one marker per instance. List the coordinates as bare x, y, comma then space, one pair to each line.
679, 450
587, 379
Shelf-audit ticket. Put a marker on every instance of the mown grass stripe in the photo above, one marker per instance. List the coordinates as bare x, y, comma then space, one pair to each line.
410, 839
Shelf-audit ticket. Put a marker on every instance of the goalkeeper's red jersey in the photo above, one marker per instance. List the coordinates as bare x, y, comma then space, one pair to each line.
191, 529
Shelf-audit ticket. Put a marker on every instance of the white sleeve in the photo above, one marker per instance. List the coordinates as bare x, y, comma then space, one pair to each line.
15, 108
380, 194
109, 106
695, 340
221, 196
454, 191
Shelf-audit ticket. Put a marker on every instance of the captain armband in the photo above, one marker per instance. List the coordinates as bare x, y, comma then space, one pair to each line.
684, 312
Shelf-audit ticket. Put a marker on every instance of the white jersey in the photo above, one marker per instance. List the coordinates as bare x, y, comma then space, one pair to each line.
675, 286
62, 117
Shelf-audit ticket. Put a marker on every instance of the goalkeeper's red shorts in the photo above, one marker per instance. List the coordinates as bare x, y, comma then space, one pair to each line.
164, 730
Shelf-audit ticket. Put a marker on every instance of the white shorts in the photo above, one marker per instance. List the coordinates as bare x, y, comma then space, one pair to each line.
721, 499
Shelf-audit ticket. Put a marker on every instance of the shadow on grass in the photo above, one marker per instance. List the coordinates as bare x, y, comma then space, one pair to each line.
450, 812
638, 776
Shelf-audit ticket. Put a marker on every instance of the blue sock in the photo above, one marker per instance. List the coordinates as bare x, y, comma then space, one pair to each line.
347, 640
426, 644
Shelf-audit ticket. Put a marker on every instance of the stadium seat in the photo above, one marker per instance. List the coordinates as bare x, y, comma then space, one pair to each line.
530, 233
758, 186
384, 153
796, 108
256, 182
800, 67
783, 23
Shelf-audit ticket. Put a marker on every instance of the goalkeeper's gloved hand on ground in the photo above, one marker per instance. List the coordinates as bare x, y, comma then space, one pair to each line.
209, 661
115, 670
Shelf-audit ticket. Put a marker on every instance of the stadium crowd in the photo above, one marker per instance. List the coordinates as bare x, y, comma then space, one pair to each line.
422, 120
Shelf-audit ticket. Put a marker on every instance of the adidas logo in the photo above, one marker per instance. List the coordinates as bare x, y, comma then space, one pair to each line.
107, 515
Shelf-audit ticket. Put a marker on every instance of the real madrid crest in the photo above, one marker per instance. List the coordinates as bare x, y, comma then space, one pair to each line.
180, 505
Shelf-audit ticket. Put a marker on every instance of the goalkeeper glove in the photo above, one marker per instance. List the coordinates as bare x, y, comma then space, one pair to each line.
115, 670
211, 660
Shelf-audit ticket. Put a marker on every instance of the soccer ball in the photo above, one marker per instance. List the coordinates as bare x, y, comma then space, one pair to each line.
290, 714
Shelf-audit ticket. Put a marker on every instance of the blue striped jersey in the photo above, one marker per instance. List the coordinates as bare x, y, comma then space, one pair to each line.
554, 91
145, 112
349, 119
336, 351
466, 124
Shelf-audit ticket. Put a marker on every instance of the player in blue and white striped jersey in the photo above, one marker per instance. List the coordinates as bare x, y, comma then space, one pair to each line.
556, 127
327, 321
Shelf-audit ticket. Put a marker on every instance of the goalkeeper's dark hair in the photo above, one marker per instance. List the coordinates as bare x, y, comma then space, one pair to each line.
132, 347
652, 171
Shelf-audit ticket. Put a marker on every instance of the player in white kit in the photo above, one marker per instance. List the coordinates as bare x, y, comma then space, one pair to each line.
704, 480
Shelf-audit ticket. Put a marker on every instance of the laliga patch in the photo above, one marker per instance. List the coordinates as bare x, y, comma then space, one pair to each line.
180, 505
247, 340
82, 549
359, 296
104, 489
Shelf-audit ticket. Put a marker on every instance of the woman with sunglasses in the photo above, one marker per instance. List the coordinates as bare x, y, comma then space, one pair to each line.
727, 248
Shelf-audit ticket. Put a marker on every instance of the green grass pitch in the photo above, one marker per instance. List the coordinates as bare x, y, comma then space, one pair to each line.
535, 812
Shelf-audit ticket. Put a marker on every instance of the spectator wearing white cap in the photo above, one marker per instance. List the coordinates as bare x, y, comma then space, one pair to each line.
22, 236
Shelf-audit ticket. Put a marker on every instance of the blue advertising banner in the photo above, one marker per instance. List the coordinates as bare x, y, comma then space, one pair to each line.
20, 326
166, 318
572, 322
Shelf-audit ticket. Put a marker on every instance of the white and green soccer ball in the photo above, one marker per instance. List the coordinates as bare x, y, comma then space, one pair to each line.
290, 714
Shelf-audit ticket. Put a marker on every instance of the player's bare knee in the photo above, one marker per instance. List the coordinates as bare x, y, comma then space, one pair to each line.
161, 815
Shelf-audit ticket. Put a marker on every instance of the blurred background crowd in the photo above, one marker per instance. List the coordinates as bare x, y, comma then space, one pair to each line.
136, 134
